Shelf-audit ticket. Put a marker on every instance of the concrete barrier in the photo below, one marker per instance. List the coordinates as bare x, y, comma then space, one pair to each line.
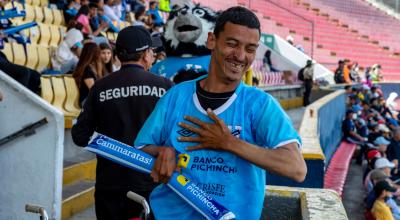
321, 133
30, 166
302, 204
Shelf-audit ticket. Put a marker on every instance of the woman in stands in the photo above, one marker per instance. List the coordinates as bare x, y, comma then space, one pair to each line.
107, 57
88, 70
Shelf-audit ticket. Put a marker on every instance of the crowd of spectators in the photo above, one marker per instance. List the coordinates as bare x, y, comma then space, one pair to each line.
85, 51
373, 125
350, 72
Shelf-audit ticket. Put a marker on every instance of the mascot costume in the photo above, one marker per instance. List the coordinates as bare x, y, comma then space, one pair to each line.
185, 40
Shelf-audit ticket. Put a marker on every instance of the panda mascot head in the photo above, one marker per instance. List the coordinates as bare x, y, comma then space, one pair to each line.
185, 39
187, 29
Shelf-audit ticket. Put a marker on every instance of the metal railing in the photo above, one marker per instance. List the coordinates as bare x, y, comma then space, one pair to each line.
26, 131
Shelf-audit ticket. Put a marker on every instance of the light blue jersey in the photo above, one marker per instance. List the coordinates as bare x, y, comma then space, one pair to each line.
169, 67
251, 114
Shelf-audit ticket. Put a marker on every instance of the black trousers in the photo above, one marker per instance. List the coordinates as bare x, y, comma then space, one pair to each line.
114, 205
307, 91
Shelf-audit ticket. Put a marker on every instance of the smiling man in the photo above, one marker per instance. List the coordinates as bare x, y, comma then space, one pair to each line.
229, 133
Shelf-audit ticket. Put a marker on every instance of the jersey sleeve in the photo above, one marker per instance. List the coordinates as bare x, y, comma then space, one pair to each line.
272, 127
154, 130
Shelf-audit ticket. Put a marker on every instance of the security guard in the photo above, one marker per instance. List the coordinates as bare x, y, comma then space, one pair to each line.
117, 106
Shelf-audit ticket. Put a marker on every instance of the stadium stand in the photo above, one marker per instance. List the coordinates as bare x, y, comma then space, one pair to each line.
329, 34
368, 20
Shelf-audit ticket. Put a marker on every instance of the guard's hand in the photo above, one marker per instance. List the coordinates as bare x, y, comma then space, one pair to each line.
214, 136
164, 165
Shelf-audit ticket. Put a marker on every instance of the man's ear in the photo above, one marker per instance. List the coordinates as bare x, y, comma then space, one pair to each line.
211, 41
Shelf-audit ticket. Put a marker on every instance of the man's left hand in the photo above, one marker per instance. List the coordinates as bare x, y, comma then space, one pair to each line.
214, 136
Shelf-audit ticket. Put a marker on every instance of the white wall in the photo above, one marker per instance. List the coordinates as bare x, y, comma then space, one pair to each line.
286, 57
30, 167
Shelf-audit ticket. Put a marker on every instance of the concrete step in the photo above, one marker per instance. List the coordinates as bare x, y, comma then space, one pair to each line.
77, 197
87, 214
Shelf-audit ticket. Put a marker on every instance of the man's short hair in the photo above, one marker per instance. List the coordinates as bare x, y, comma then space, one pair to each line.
126, 57
237, 15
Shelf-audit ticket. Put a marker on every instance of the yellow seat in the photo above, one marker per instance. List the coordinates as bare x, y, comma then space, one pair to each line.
44, 3
32, 56
35, 2
19, 53
60, 95
34, 34
38, 14
44, 58
71, 104
29, 13
45, 34
58, 17
110, 36
47, 90
55, 36
48, 15
29, 2
7, 50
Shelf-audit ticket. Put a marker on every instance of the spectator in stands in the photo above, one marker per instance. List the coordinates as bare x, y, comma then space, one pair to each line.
140, 17
354, 75
381, 143
346, 71
372, 156
88, 70
308, 76
96, 24
349, 130
383, 191
268, 63
83, 18
110, 13
65, 57
339, 77
393, 151
120, 115
153, 10
376, 74
71, 10
107, 57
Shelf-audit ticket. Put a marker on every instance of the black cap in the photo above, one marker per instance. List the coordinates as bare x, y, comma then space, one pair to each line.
383, 185
133, 39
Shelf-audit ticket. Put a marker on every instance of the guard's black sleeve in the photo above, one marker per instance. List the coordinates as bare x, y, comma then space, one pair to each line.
85, 125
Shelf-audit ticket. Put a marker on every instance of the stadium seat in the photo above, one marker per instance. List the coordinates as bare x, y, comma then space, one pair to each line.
19, 53
35, 2
58, 17
30, 13
45, 34
47, 90
7, 50
34, 34
48, 15
32, 56
44, 3
110, 36
38, 14
71, 103
60, 95
44, 58
55, 35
